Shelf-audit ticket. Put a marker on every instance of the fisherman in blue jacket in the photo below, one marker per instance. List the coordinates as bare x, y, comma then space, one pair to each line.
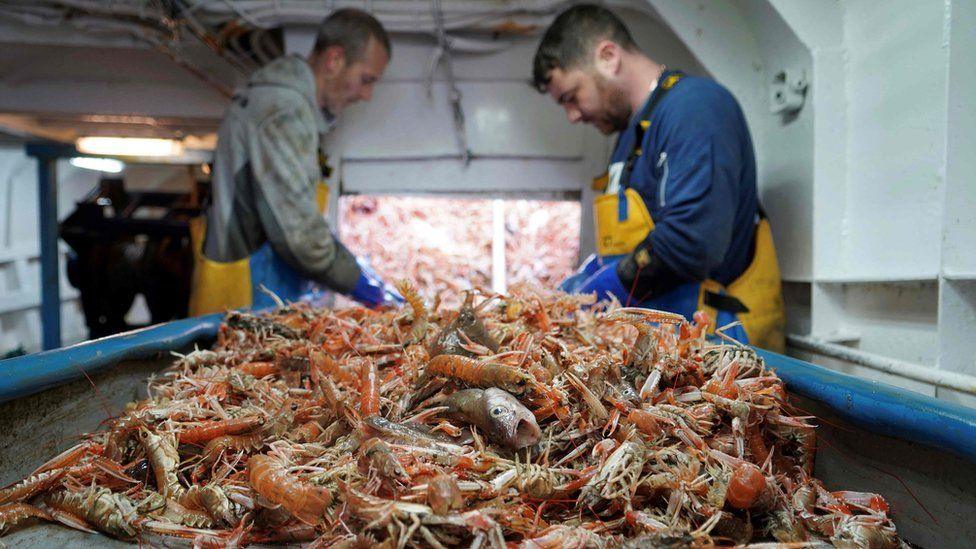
678, 221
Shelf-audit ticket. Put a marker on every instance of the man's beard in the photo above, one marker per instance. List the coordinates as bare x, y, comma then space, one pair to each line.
616, 109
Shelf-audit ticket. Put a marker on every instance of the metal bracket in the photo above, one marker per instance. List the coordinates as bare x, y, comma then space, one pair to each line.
787, 91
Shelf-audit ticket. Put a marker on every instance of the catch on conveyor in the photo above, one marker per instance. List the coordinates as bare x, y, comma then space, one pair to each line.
550, 425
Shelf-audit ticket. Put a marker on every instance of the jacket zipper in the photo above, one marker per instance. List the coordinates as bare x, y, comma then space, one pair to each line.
663, 187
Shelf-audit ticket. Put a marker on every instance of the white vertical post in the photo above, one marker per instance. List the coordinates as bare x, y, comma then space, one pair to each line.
498, 246
957, 285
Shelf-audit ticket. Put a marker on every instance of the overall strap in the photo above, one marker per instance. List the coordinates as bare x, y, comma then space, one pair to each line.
665, 85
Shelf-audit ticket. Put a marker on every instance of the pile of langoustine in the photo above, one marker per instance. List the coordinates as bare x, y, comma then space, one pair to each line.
406, 237
532, 420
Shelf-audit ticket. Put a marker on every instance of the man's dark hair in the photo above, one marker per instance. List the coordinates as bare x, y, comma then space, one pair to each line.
351, 29
570, 40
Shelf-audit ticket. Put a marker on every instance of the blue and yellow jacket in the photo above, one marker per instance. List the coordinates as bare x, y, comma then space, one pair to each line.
697, 177
681, 210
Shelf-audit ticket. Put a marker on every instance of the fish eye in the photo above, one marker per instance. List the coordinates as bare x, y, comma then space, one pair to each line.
497, 411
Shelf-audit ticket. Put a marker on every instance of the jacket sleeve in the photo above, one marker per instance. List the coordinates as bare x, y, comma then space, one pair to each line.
283, 158
693, 227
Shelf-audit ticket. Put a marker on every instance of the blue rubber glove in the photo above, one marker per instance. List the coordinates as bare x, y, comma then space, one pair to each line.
370, 289
589, 266
605, 283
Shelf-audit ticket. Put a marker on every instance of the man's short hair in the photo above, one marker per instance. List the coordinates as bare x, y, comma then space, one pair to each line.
351, 29
569, 41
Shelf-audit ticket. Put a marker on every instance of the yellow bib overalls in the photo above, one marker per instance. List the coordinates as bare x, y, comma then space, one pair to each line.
623, 221
218, 286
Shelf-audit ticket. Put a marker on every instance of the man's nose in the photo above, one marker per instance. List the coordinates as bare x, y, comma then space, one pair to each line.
573, 114
366, 93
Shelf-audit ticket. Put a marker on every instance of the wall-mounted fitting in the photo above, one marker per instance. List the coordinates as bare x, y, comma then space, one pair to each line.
787, 91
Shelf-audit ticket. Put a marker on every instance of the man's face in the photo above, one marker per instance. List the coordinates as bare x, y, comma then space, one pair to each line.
342, 84
587, 96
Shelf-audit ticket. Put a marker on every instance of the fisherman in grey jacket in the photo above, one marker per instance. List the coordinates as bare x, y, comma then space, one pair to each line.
265, 226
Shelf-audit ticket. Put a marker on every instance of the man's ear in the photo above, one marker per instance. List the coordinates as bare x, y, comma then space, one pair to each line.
334, 59
607, 57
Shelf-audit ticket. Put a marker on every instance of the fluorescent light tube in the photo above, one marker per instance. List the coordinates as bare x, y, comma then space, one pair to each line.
107, 165
129, 146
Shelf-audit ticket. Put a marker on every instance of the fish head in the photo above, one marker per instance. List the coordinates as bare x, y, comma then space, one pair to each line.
509, 421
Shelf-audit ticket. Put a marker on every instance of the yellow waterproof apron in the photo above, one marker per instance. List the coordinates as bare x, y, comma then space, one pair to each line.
218, 286
623, 221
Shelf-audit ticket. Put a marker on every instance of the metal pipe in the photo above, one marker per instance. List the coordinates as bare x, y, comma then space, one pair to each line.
940, 378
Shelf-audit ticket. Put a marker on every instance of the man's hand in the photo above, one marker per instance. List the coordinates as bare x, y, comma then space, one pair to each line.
605, 283
589, 266
370, 289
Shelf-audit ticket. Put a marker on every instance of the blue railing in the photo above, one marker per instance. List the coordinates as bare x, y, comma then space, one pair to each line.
881, 408
30, 374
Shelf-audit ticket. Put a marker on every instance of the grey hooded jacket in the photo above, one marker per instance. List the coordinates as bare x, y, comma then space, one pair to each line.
265, 174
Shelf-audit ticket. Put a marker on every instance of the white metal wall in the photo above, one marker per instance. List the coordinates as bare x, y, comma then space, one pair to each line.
19, 267
19, 261
957, 281
889, 209
870, 187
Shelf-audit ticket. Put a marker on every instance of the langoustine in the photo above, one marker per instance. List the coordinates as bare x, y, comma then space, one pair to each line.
528, 419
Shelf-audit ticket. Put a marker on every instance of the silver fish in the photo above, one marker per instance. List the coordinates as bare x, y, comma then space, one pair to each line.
411, 435
506, 420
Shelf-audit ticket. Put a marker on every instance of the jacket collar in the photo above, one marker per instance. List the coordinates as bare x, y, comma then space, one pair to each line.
293, 71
